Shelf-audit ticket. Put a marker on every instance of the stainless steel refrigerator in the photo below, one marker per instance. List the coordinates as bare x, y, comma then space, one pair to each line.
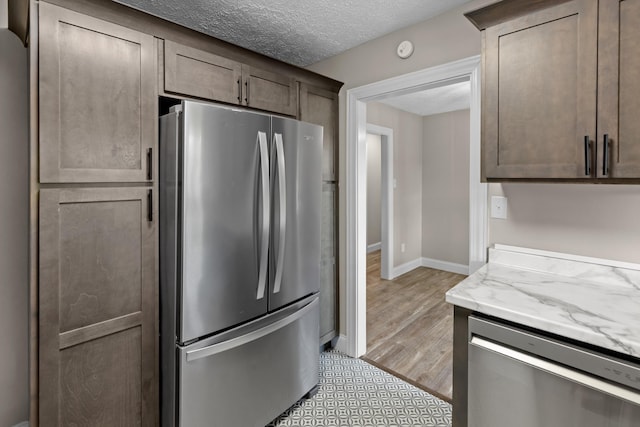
240, 264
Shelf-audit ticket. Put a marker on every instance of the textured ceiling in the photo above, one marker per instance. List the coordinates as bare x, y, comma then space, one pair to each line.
299, 32
442, 99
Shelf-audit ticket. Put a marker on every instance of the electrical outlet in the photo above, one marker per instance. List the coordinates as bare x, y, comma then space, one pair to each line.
402, 247
498, 207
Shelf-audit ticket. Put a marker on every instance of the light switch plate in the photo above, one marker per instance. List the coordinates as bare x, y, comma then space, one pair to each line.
498, 207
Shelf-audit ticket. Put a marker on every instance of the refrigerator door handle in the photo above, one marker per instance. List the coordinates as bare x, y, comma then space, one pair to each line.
282, 189
247, 338
264, 242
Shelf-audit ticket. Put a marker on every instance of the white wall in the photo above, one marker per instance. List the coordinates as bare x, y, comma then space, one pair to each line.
14, 237
445, 187
601, 221
407, 167
374, 181
444, 38
3, 13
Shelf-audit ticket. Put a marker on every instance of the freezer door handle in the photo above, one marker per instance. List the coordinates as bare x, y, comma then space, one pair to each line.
252, 336
282, 188
264, 239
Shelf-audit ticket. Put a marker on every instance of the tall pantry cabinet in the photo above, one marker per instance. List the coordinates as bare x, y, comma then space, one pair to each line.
320, 106
98, 240
100, 74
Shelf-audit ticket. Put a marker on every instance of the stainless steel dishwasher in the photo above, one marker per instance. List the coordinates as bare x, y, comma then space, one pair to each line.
522, 379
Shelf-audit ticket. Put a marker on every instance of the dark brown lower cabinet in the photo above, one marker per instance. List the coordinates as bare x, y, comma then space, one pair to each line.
97, 301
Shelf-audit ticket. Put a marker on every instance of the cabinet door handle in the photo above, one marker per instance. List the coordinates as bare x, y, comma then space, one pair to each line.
605, 155
149, 164
239, 92
150, 205
587, 156
246, 91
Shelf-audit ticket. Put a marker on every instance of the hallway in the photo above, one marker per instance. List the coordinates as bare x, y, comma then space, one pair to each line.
410, 326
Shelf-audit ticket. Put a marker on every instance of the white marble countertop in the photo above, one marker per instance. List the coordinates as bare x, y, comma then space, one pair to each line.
586, 299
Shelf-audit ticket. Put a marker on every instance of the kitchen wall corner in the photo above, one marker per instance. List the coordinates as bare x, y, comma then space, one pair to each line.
14, 231
4, 14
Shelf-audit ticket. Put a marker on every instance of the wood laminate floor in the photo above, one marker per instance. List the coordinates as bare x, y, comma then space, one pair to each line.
410, 326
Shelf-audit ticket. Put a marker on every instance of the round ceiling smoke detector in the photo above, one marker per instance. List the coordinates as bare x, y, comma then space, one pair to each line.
405, 49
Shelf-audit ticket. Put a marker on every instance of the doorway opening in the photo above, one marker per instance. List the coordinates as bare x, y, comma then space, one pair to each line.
354, 342
409, 324
380, 141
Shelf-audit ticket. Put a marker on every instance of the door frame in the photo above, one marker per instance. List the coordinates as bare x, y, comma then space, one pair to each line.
354, 343
386, 198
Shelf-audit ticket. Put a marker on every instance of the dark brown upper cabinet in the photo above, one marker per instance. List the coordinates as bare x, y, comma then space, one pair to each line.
320, 106
270, 91
97, 99
201, 74
558, 89
196, 73
618, 142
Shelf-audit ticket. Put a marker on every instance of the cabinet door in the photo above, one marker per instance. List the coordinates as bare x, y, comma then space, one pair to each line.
320, 106
618, 89
328, 271
193, 72
97, 299
540, 93
98, 101
269, 91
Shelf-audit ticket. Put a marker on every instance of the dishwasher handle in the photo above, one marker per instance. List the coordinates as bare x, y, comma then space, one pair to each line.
583, 359
559, 370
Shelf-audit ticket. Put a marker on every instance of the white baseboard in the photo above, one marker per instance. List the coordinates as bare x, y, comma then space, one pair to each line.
406, 267
374, 247
342, 345
431, 263
451, 267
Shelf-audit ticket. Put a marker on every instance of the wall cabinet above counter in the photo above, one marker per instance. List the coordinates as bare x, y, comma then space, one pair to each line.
560, 90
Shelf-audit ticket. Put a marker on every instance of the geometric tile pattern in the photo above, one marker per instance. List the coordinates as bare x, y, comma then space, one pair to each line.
354, 393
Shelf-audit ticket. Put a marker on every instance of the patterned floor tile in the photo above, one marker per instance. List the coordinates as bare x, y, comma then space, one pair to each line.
354, 393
